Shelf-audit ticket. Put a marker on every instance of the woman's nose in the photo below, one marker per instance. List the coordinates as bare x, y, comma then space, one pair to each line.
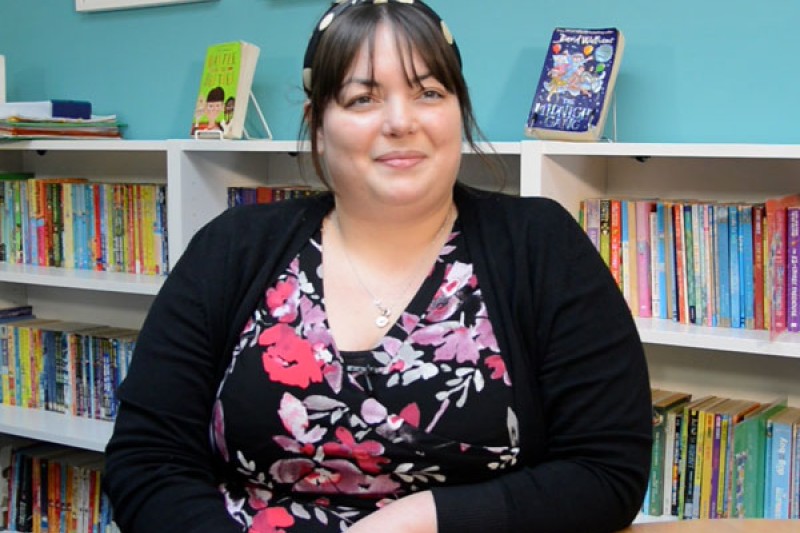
400, 118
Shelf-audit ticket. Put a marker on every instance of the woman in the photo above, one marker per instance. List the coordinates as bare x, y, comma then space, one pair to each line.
401, 355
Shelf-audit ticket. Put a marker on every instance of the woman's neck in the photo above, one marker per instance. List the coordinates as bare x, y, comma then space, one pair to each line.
393, 235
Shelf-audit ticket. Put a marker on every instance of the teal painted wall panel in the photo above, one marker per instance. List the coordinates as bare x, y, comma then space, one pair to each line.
709, 71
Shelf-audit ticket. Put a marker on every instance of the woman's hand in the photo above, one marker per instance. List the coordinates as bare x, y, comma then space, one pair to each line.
415, 513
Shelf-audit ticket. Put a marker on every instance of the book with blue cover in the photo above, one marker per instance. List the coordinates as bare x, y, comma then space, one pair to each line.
576, 84
722, 236
737, 317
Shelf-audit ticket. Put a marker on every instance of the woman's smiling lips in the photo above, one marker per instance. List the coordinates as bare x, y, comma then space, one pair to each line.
400, 160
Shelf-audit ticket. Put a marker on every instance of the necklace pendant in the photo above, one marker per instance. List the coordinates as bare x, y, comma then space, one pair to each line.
382, 321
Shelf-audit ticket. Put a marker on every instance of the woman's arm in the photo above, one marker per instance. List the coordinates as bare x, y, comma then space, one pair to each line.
415, 513
159, 473
589, 378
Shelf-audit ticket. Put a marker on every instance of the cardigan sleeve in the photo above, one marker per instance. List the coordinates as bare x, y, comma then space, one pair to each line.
159, 473
590, 389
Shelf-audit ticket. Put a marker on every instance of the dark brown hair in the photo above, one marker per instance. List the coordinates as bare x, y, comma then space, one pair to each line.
415, 31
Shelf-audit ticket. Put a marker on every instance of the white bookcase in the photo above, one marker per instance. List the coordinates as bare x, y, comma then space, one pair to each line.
697, 359
701, 360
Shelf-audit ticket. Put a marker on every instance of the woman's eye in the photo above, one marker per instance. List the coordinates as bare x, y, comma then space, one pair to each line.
363, 99
432, 94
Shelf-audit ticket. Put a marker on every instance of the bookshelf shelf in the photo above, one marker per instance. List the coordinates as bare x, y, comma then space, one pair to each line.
58, 428
80, 279
668, 333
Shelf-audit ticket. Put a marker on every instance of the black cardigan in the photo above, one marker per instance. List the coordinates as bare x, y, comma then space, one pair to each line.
580, 379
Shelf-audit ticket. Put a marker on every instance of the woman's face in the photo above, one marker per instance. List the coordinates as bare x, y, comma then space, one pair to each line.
385, 141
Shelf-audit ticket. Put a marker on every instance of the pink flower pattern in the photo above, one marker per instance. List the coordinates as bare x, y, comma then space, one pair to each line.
345, 442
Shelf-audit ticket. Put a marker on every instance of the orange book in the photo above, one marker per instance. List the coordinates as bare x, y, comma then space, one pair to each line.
264, 195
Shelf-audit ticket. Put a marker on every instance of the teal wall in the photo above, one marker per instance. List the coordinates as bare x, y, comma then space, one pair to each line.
693, 71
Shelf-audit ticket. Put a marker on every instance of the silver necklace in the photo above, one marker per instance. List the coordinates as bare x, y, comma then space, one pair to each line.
384, 310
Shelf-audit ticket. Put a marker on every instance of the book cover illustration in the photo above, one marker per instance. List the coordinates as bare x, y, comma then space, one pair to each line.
576, 83
224, 93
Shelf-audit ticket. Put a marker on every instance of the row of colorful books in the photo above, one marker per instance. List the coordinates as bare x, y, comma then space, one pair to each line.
717, 457
264, 195
74, 223
66, 367
713, 264
53, 488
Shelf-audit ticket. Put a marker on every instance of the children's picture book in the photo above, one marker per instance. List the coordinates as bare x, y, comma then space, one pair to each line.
576, 84
224, 94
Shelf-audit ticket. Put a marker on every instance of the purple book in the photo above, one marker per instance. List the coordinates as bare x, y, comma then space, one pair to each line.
793, 268
576, 84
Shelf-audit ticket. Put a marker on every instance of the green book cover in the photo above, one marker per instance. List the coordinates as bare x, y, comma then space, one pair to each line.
661, 407
224, 90
749, 441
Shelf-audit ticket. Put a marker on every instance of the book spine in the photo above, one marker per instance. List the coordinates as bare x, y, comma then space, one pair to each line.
746, 264
680, 264
710, 271
671, 294
758, 267
625, 251
795, 503
724, 470
793, 268
655, 288
778, 485
615, 259
605, 230
716, 452
688, 253
723, 241
643, 268
705, 450
777, 259
660, 261
656, 480
633, 274
734, 266
690, 450
697, 261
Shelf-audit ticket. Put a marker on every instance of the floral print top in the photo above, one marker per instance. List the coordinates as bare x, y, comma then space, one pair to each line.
315, 438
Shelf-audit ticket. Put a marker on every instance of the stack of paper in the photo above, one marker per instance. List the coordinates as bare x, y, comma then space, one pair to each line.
55, 119
73, 128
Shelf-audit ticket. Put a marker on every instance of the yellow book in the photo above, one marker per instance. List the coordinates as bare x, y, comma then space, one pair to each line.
711, 454
700, 451
11, 398
127, 238
24, 354
37, 369
4, 386
69, 225
148, 225
108, 217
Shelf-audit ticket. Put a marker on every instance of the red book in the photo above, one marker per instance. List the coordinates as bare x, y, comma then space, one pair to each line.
616, 242
263, 195
97, 237
776, 225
